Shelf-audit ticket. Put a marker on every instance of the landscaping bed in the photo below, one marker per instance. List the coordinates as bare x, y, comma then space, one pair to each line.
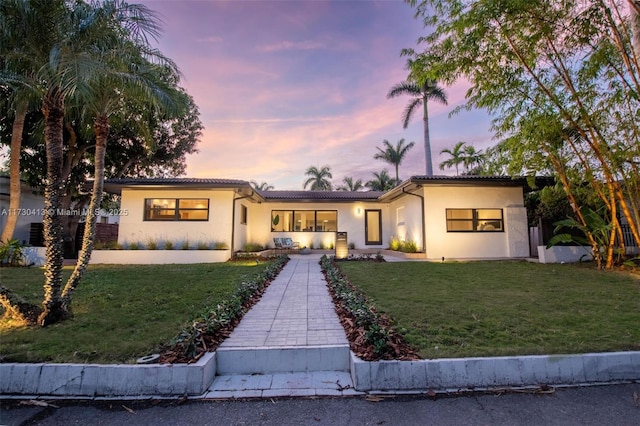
473, 309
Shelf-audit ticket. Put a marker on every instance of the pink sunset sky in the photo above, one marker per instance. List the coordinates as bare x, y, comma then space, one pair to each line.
284, 85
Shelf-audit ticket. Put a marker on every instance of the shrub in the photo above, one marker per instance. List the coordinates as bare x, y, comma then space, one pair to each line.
185, 245
202, 245
11, 253
219, 245
409, 247
352, 246
394, 244
135, 246
152, 245
168, 245
253, 247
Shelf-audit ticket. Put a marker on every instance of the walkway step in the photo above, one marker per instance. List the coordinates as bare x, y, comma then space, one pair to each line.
320, 383
269, 360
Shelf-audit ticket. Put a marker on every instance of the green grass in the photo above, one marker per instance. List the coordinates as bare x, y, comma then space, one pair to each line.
504, 308
121, 312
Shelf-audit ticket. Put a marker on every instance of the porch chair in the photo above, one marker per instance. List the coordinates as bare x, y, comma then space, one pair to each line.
289, 244
277, 242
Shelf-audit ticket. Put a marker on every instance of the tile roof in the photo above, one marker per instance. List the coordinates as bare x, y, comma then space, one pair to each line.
176, 181
321, 195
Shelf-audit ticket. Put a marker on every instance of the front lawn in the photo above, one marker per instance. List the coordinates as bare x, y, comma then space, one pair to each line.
122, 312
504, 308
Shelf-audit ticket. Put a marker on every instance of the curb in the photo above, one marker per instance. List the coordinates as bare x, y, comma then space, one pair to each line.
516, 371
177, 380
119, 380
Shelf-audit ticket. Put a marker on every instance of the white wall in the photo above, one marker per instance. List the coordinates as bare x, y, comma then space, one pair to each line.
460, 245
31, 209
405, 220
349, 220
133, 228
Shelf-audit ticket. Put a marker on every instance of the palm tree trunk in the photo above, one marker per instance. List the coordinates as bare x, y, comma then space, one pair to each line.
101, 127
14, 172
427, 141
53, 110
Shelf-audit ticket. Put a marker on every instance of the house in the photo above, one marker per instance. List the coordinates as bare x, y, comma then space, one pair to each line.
460, 217
31, 211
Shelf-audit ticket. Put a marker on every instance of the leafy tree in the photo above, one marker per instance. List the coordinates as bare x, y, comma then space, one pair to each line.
263, 186
319, 178
350, 184
381, 181
561, 80
71, 59
393, 155
422, 93
456, 157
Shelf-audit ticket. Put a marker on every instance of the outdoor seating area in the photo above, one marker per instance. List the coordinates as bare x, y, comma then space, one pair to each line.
286, 245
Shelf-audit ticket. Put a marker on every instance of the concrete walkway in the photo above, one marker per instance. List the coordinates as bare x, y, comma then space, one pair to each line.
291, 343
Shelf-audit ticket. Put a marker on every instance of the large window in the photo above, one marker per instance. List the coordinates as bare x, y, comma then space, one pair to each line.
304, 220
176, 209
474, 220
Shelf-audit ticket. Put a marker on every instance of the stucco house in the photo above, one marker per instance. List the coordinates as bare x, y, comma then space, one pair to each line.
462, 217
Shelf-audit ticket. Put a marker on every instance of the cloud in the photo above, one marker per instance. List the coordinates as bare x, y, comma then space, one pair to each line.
210, 39
292, 45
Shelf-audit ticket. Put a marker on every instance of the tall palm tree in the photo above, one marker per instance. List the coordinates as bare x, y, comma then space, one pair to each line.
457, 157
422, 94
393, 155
381, 181
350, 184
263, 186
319, 178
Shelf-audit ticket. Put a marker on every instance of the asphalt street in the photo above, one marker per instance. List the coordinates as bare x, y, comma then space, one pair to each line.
594, 405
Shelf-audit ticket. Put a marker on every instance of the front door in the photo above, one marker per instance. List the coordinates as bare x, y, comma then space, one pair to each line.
373, 227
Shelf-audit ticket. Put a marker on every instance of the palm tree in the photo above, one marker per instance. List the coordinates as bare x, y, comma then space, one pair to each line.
393, 155
457, 157
319, 178
381, 181
263, 186
472, 159
350, 185
422, 94
16, 27
128, 73
66, 58
634, 6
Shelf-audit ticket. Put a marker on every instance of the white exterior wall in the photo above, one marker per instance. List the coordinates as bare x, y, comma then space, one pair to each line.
513, 242
405, 220
349, 220
31, 206
133, 227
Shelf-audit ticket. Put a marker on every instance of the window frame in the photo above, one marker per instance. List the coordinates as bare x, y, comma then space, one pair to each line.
244, 214
293, 216
176, 217
474, 220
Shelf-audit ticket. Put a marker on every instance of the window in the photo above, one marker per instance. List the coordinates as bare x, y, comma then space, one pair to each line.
474, 220
304, 220
243, 214
176, 209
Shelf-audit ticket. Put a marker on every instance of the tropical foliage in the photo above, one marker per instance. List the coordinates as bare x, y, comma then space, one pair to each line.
561, 80
463, 154
381, 181
393, 155
262, 186
318, 178
422, 91
350, 185
86, 65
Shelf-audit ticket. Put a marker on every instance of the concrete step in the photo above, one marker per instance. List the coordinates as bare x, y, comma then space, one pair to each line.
282, 359
317, 383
